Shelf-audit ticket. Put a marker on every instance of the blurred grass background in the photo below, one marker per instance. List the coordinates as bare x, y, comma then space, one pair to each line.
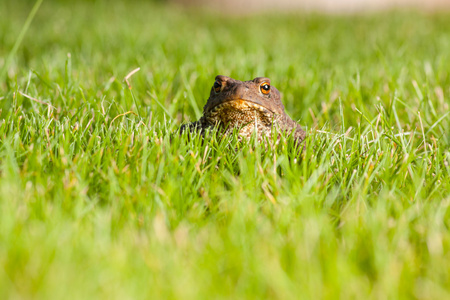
99, 203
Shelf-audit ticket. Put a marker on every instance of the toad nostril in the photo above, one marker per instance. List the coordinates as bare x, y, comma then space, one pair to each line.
222, 78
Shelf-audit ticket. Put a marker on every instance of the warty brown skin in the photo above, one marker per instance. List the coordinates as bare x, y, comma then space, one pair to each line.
249, 106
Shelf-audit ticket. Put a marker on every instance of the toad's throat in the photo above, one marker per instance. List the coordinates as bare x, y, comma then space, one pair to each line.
238, 112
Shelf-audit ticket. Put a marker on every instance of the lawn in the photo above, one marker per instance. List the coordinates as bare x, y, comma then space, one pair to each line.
101, 198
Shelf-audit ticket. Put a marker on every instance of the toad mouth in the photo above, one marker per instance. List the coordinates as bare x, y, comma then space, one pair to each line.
239, 112
240, 104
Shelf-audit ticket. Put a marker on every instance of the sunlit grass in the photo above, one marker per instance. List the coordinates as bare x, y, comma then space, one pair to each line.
101, 197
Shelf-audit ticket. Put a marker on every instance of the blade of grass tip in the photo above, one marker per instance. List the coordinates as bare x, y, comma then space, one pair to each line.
68, 70
341, 112
82, 95
365, 118
130, 89
437, 122
344, 138
135, 103
21, 36
28, 81
394, 110
393, 139
42, 79
160, 105
423, 134
190, 97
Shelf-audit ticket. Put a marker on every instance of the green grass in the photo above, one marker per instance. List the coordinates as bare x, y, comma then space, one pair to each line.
97, 203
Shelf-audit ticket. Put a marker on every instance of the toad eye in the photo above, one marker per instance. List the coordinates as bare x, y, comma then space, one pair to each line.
265, 88
217, 86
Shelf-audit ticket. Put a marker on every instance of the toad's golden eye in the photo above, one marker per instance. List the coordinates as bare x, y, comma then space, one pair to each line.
265, 88
217, 86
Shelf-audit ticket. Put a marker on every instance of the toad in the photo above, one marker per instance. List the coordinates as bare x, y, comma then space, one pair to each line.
252, 106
